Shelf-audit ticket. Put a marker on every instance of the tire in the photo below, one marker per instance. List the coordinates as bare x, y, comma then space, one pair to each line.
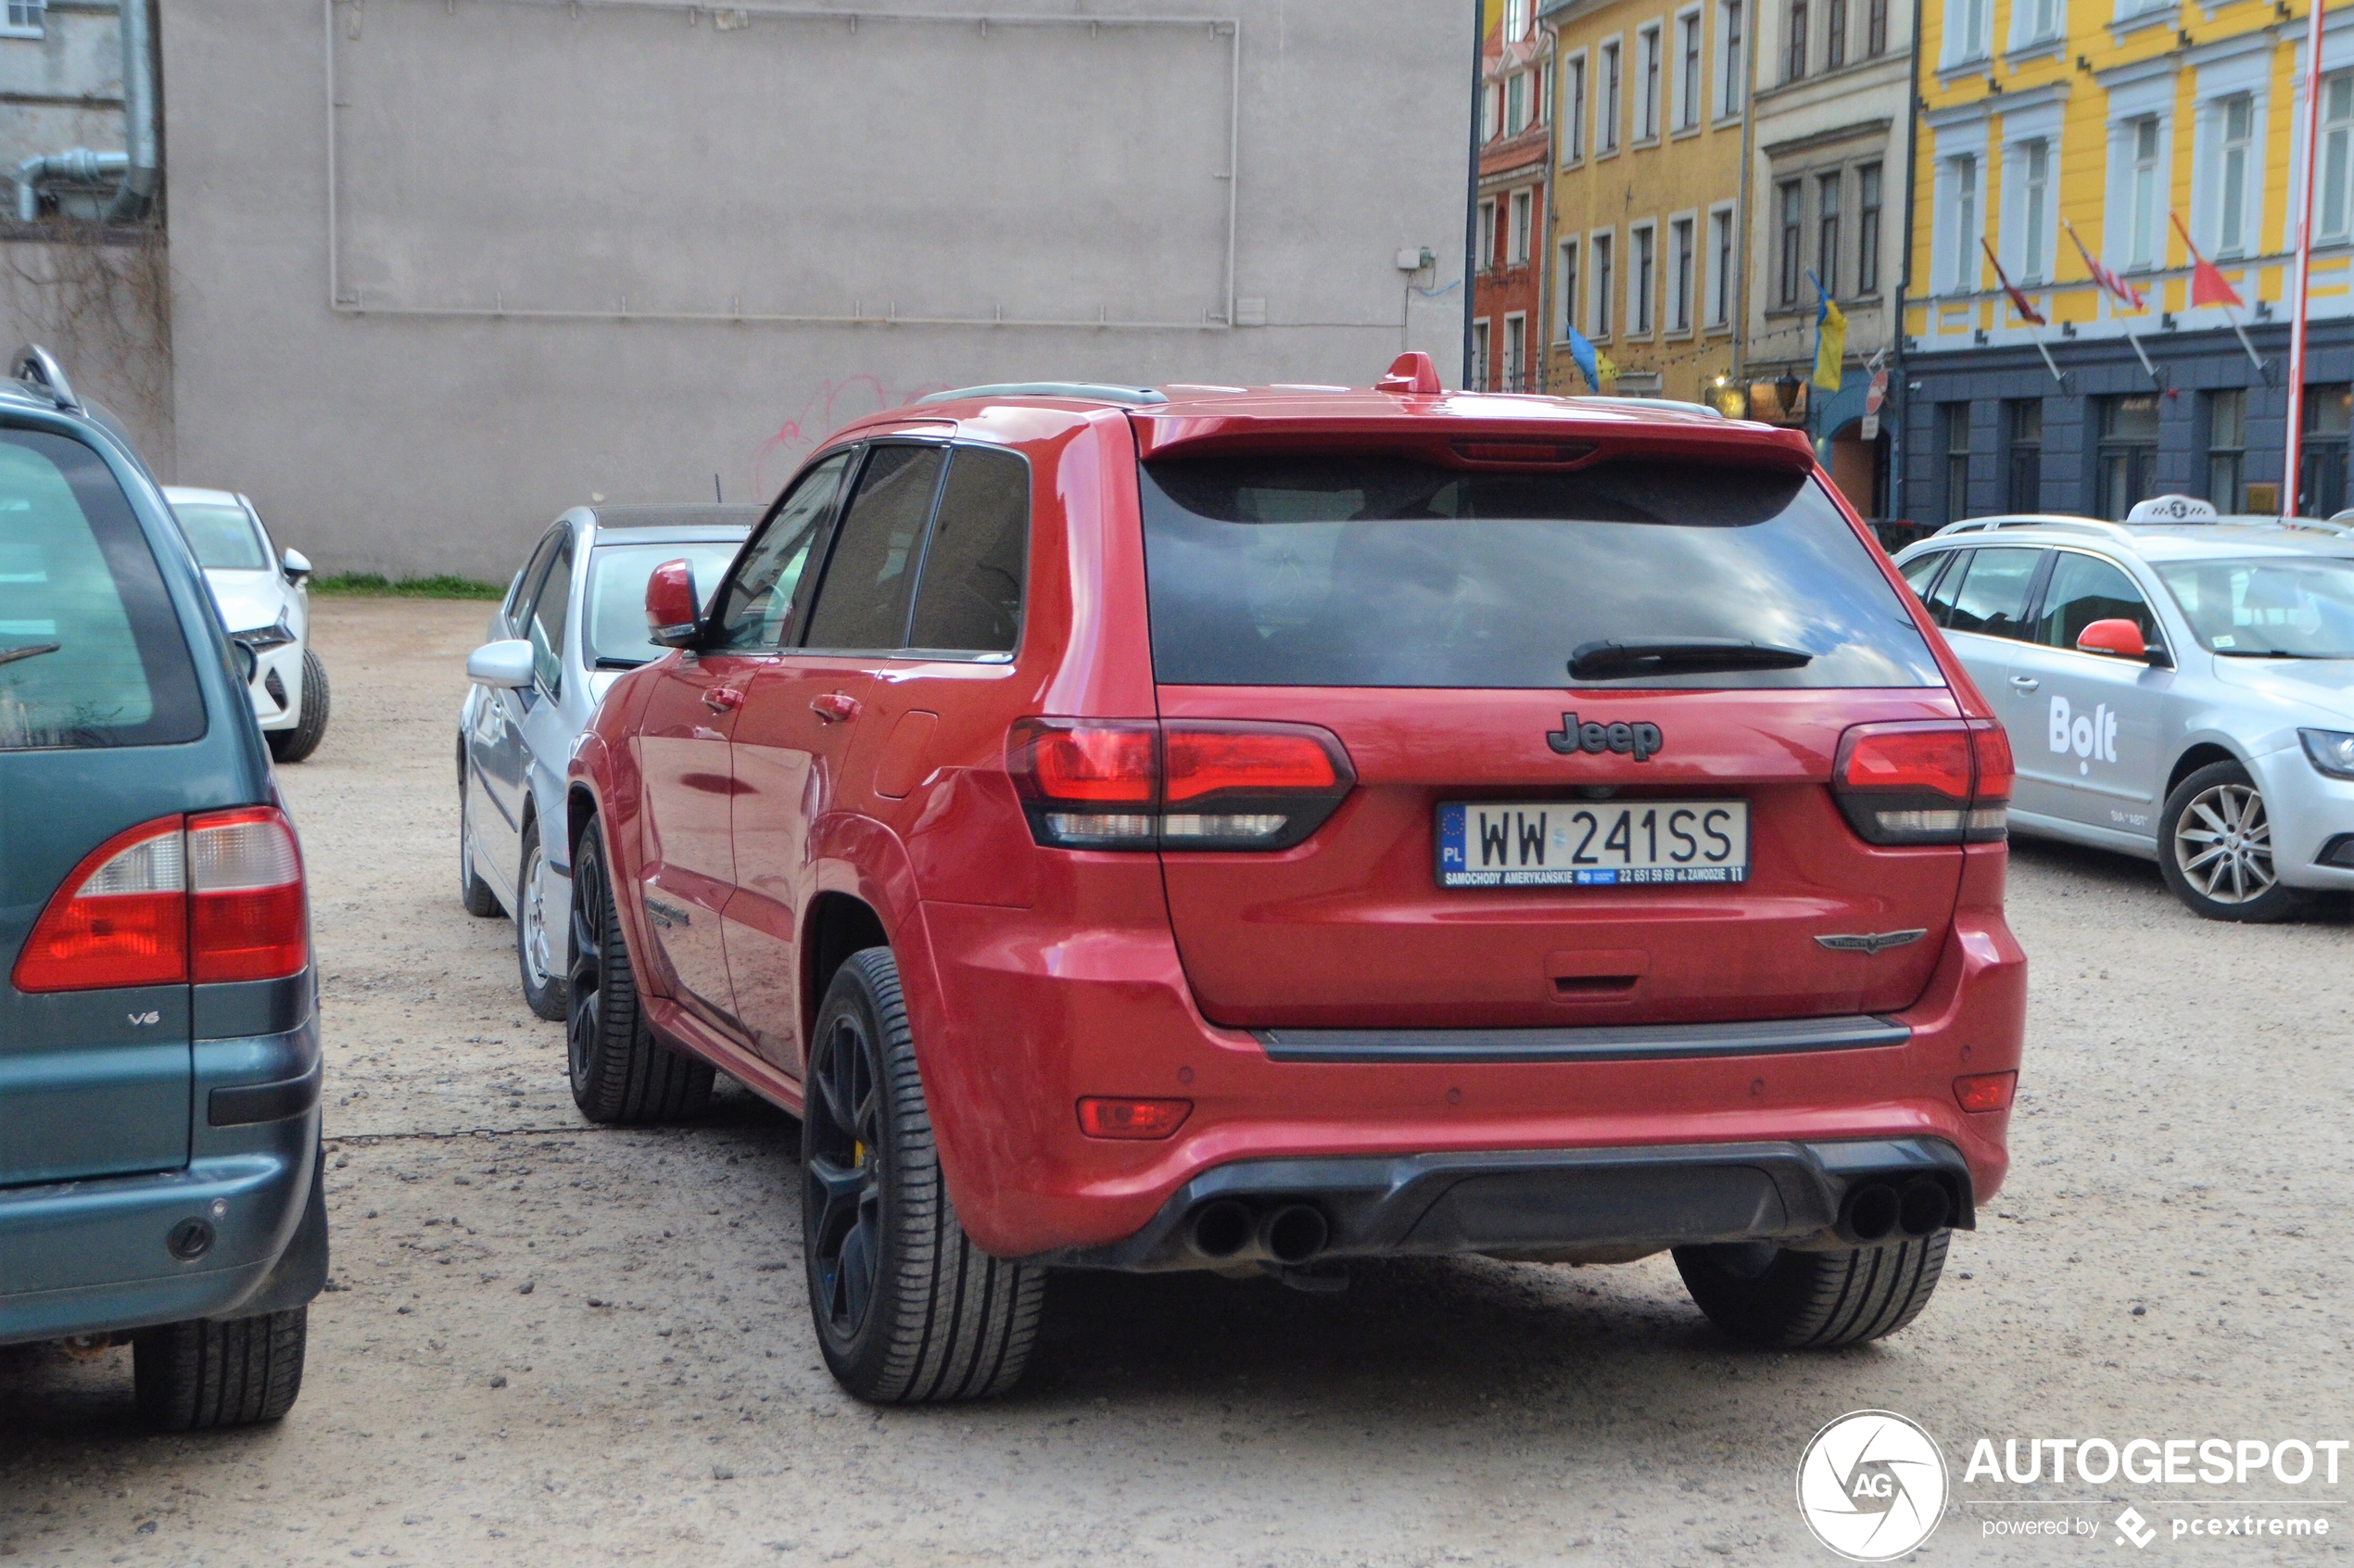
1769, 1295
236, 1371
2215, 848
621, 1074
907, 1309
539, 957
294, 745
472, 891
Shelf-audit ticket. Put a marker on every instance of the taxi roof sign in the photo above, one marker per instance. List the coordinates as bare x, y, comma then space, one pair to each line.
2173, 509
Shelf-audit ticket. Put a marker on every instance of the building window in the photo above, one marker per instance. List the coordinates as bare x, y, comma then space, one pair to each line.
2235, 167
1647, 104
1602, 285
1606, 132
2023, 484
2321, 468
1834, 35
1974, 39
1794, 58
1515, 353
1573, 107
1875, 28
1492, 112
2337, 129
1542, 108
1486, 234
1954, 436
1687, 70
1791, 197
1524, 206
1638, 297
1736, 75
1516, 102
1519, 15
1827, 233
2142, 201
1679, 276
1720, 269
1867, 228
1565, 287
2227, 448
22, 19
1479, 355
2128, 454
2034, 191
1964, 260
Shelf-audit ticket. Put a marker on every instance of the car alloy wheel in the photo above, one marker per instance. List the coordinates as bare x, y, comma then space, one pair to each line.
2223, 843
584, 1021
535, 915
842, 1203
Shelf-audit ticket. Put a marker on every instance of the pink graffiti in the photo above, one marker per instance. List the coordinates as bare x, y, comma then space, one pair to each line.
833, 405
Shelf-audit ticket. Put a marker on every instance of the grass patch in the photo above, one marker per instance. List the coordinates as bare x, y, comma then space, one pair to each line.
375, 585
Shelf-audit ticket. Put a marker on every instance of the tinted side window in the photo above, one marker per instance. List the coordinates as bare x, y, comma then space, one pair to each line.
1919, 574
1940, 598
862, 603
756, 609
2085, 588
90, 650
549, 612
1993, 601
527, 580
969, 598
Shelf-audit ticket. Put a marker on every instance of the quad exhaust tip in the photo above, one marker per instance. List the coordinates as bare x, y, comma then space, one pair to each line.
1877, 1210
1226, 1230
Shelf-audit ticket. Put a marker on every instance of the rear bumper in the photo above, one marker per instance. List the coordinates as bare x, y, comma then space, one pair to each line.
1574, 1205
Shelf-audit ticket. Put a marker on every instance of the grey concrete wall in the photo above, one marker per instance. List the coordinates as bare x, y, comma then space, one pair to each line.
616, 249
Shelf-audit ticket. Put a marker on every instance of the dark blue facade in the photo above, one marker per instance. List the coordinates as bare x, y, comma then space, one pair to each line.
2068, 472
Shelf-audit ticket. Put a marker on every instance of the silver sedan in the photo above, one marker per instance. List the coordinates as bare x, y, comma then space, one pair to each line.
573, 621
2179, 687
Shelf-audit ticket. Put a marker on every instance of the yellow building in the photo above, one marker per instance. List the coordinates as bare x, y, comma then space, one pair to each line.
2132, 123
1645, 239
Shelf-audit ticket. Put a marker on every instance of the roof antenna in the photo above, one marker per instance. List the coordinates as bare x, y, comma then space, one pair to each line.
714, 489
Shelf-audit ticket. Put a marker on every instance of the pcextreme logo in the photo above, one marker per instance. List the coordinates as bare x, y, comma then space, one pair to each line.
1871, 1486
2092, 737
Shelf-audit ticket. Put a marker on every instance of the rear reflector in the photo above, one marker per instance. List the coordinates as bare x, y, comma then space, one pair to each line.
1941, 781
1103, 784
1986, 1090
209, 898
1132, 1119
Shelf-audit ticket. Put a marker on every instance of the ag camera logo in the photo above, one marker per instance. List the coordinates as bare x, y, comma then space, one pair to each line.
1871, 1486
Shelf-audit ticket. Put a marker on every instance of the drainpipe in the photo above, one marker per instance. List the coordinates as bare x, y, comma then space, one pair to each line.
143, 170
1470, 195
78, 166
1900, 382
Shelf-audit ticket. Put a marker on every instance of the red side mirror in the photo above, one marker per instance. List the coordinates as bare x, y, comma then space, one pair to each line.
672, 617
2122, 638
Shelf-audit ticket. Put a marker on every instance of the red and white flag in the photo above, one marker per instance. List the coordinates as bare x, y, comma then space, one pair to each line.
2106, 281
2209, 286
2019, 302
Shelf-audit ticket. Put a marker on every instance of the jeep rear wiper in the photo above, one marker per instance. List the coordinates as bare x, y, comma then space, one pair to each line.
10, 655
1622, 658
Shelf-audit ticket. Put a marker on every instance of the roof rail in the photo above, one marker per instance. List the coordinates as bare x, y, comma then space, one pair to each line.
37, 368
1991, 525
1085, 391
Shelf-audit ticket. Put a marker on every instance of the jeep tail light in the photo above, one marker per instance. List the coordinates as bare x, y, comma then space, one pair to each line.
209, 898
245, 919
1132, 1119
121, 918
1940, 781
1178, 784
1986, 1090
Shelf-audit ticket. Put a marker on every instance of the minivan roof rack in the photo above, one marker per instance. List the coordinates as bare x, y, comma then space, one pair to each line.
1085, 391
1990, 525
37, 368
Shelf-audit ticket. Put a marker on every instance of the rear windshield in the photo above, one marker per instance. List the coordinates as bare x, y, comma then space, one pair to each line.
91, 651
223, 536
617, 629
1315, 571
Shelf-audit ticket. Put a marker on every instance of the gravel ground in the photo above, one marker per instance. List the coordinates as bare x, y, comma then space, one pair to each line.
548, 1344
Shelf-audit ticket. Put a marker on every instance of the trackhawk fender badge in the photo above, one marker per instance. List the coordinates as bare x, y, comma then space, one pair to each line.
1644, 740
662, 913
1871, 943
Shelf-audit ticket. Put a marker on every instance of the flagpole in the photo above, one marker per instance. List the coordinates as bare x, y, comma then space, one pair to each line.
2293, 450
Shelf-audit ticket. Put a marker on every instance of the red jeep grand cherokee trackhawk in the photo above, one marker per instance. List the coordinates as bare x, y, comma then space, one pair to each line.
1211, 828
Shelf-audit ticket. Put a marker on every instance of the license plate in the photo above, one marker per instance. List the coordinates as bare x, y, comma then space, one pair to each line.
1596, 843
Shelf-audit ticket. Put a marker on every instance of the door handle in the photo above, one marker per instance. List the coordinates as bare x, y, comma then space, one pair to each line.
834, 705
723, 698
2025, 683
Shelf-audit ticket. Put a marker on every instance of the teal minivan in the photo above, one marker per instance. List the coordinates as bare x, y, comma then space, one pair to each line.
159, 1068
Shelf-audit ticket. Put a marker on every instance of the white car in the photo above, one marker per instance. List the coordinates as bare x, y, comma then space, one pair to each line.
2179, 686
265, 602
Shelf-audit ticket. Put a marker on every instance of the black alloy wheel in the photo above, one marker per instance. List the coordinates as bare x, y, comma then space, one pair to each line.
620, 1072
842, 1167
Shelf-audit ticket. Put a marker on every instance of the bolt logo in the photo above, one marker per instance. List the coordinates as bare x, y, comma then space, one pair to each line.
2091, 736
1872, 1485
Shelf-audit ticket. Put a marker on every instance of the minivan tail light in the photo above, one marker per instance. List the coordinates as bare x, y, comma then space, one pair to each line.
1180, 784
1940, 781
247, 919
119, 919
